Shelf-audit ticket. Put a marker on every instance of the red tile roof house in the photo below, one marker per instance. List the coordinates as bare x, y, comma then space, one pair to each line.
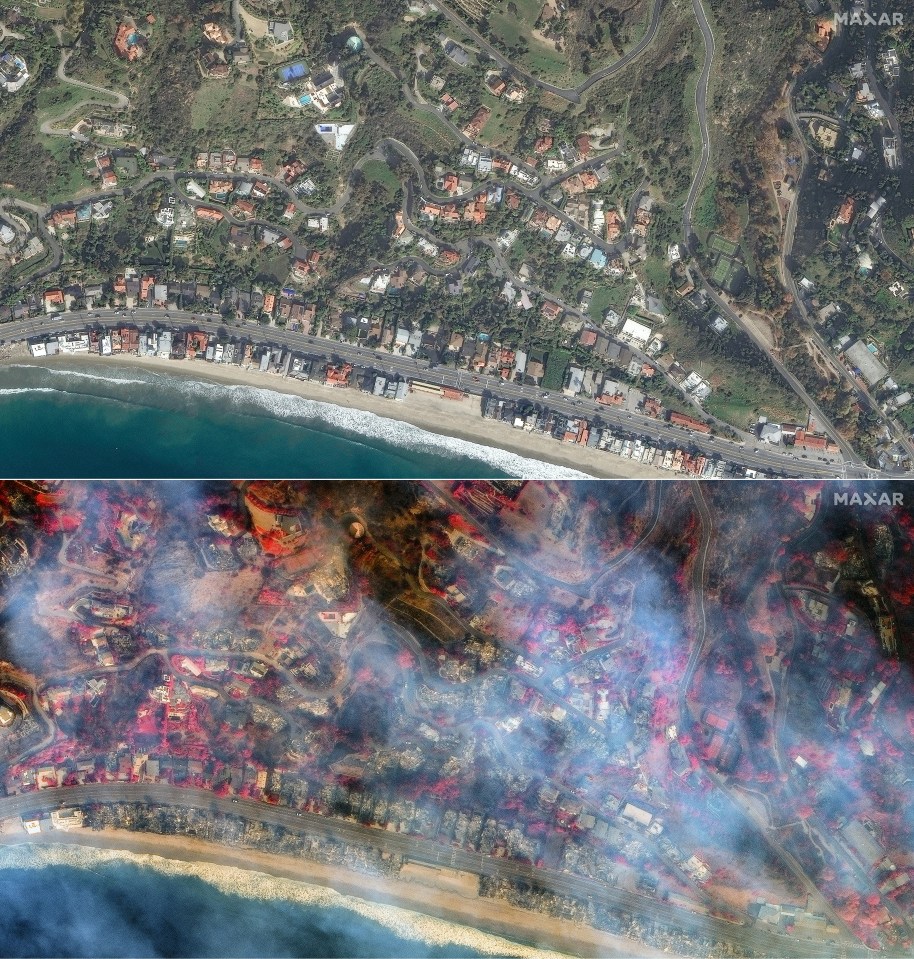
128, 43
53, 301
300, 268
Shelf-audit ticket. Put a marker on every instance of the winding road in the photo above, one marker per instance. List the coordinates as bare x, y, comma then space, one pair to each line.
689, 239
701, 107
789, 282
111, 98
46, 237
571, 94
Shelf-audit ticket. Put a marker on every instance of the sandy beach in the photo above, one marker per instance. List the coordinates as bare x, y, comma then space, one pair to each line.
449, 897
459, 419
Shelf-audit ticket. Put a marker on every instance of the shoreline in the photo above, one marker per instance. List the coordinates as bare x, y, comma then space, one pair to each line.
534, 935
453, 419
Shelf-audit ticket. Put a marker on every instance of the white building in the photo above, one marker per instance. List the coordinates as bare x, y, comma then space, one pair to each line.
771, 433
13, 72
67, 819
335, 135
695, 384
864, 360
73, 343
520, 362
719, 324
875, 207
635, 333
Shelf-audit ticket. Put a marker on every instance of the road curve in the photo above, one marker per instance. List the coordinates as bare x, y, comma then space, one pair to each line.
688, 235
571, 94
701, 106
46, 237
112, 99
121, 100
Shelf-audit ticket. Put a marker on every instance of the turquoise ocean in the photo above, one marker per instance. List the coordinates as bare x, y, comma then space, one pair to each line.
106, 421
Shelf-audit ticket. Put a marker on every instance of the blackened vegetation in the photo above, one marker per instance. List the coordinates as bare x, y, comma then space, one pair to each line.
96, 723
364, 718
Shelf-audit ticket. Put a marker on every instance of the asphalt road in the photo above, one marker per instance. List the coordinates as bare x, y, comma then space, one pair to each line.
427, 852
656, 431
792, 213
571, 94
701, 107
121, 102
855, 464
787, 277
46, 237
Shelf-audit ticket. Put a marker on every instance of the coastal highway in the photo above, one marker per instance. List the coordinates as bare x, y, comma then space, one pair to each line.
416, 849
772, 459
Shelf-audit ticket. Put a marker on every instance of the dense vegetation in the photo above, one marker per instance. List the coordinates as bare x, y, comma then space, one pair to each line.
757, 43
18, 130
167, 74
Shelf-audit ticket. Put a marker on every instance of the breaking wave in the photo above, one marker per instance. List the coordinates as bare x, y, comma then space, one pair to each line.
353, 424
232, 881
365, 425
13, 390
83, 376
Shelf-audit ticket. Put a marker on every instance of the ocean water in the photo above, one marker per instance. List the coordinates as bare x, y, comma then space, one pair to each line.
126, 910
75, 901
105, 421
